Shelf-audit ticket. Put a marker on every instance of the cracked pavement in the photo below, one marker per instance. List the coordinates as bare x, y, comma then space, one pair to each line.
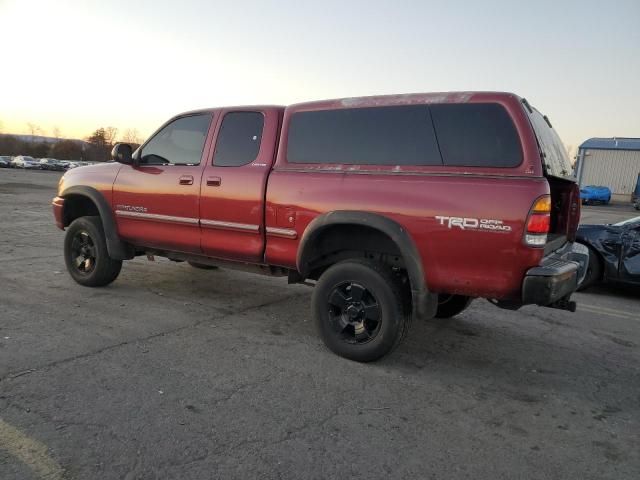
177, 373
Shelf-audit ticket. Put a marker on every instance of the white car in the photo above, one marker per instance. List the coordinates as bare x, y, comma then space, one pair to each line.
24, 161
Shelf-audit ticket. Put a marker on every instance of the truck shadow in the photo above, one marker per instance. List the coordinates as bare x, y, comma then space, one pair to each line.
486, 356
524, 356
631, 292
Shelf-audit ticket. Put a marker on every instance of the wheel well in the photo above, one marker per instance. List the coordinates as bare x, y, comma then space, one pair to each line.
338, 242
76, 206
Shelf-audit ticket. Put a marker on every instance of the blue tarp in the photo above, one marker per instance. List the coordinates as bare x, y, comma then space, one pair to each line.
593, 193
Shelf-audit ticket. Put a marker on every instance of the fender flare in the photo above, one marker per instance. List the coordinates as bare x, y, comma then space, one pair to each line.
118, 250
424, 302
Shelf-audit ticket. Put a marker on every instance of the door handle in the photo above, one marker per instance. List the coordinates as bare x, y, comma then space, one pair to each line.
186, 180
214, 181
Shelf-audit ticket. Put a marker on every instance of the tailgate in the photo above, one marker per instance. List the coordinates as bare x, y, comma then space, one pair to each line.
565, 194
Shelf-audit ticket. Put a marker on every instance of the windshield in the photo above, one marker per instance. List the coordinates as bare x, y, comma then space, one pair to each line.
629, 221
556, 161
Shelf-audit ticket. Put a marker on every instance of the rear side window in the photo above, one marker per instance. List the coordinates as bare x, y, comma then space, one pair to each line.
556, 161
476, 135
239, 139
364, 136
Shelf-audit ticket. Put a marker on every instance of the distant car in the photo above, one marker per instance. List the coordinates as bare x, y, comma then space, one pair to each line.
26, 162
51, 164
5, 162
67, 164
614, 252
595, 194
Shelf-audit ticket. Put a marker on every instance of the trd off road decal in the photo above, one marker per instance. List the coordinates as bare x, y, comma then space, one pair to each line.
132, 208
465, 223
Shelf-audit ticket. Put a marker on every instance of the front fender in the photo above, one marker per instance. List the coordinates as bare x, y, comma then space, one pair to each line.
118, 250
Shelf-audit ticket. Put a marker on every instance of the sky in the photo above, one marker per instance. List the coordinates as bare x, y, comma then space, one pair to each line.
81, 64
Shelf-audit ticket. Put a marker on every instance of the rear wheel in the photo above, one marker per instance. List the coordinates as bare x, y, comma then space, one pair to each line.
86, 255
358, 310
594, 271
451, 305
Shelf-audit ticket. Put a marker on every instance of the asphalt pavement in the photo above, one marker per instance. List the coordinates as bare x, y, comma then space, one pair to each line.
177, 373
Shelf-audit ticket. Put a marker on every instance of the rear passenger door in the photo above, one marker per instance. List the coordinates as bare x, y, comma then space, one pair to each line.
234, 182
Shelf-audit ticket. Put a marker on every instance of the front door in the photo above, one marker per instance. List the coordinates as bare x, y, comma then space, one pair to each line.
234, 183
156, 203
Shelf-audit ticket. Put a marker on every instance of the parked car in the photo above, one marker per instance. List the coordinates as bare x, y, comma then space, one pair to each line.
51, 164
397, 207
595, 194
67, 164
614, 252
24, 161
5, 161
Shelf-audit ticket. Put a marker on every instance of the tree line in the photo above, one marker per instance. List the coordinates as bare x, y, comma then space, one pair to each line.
94, 148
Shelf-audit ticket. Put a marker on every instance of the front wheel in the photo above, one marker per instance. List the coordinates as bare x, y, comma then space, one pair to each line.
358, 310
86, 255
594, 271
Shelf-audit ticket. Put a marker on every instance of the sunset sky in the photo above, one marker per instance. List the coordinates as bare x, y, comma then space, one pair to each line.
82, 64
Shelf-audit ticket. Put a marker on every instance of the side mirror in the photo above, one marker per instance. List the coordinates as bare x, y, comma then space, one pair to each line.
122, 153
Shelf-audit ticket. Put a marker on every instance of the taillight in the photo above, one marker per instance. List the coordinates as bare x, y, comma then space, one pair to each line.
538, 222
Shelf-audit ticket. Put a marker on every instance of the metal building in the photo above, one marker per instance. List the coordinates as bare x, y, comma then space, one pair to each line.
610, 162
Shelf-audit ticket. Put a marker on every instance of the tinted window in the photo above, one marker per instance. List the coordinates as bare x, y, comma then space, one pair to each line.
476, 135
556, 160
179, 143
239, 139
374, 136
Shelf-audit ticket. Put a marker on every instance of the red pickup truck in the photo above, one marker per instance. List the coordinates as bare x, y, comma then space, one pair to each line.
394, 207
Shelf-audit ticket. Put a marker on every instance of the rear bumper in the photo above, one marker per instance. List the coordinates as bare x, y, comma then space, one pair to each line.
58, 208
557, 276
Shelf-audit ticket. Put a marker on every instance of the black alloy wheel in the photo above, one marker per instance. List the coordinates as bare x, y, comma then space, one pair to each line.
355, 312
86, 254
83, 252
358, 309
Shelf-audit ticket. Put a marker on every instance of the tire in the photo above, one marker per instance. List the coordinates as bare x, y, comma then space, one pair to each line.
357, 306
452, 305
202, 266
594, 271
86, 256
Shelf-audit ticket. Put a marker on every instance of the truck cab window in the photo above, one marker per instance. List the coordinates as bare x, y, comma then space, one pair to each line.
239, 139
178, 143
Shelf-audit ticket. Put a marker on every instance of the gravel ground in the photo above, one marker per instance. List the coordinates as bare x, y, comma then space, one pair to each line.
173, 372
